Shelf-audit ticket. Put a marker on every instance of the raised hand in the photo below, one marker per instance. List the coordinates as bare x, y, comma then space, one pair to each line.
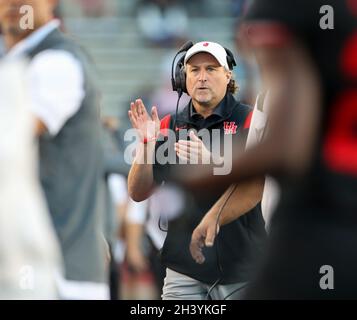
147, 127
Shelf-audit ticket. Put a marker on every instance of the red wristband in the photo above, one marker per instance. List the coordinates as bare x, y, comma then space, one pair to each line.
146, 140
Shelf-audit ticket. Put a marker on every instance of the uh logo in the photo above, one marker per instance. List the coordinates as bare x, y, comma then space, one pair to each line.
230, 127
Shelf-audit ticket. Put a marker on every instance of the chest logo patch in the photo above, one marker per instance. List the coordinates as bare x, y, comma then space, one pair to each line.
230, 127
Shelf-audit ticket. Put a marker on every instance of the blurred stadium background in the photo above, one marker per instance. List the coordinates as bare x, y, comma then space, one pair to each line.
128, 62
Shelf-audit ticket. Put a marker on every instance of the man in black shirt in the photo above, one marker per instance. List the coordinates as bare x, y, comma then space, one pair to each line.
228, 264
307, 54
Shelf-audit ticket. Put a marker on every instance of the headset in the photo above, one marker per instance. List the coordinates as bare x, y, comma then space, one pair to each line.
178, 76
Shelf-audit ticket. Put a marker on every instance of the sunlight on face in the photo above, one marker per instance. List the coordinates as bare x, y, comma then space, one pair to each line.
206, 79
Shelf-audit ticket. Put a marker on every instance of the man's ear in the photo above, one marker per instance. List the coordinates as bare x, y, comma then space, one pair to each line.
229, 76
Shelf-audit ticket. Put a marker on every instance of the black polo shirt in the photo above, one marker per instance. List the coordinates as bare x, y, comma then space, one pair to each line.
240, 242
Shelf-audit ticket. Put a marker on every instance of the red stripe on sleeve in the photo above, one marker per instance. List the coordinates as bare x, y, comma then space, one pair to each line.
248, 120
165, 125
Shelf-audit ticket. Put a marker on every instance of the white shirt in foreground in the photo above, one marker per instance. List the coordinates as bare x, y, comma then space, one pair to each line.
256, 134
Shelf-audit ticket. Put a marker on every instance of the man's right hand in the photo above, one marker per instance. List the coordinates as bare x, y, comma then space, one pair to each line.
147, 127
203, 235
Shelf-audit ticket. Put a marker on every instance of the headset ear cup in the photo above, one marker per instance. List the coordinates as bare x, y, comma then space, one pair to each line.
183, 79
178, 83
180, 76
230, 59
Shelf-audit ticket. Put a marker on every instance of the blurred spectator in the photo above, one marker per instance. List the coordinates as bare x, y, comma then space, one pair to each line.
93, 8
114, 164
239, 7
114, 145
146, 224
119, 195
197, 7
162, 22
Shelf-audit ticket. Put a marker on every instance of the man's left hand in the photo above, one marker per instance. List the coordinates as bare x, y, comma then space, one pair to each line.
193, 151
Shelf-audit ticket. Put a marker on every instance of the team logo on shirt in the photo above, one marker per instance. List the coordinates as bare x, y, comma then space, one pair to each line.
230, 127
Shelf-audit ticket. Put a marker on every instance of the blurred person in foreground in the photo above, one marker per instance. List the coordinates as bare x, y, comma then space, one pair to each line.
308, 60
63, 99
207, 72
30, 258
